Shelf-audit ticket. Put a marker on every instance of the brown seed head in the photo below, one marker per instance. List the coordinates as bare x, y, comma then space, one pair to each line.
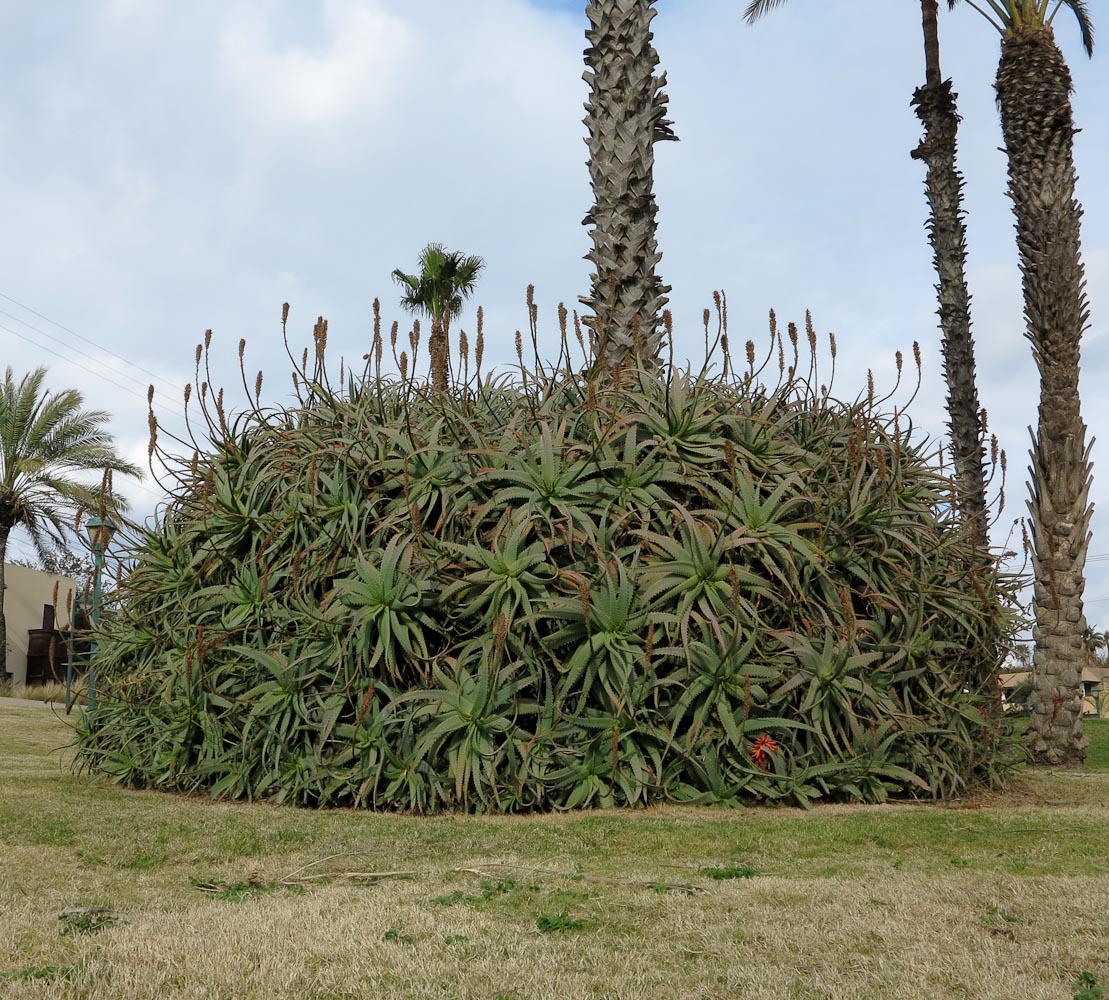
364, 704
849, 620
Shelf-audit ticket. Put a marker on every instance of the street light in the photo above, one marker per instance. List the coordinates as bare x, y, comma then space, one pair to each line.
100, 531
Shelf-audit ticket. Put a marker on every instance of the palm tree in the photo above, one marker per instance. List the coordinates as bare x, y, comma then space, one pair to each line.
935, 105
1093, 642
446, 278
625, 116
1033, 94
46, 442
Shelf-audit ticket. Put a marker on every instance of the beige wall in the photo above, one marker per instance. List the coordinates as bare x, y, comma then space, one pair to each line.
27, 591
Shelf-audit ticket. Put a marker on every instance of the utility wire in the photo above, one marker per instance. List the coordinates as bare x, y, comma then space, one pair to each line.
91, 343
76, 350
126, 388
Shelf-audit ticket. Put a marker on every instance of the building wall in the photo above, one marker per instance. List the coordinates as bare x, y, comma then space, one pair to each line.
27, 591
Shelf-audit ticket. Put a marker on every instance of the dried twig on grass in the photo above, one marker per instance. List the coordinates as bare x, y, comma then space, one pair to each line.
351, 876
298, 877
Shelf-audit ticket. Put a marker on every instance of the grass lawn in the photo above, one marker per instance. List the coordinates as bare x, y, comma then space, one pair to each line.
999, 897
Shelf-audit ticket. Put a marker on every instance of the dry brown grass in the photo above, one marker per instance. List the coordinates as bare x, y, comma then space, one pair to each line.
1007, 900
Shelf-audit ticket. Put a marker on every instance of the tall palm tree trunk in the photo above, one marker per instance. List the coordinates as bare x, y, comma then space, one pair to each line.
936, 108
625, 116
1033, 92
4, 531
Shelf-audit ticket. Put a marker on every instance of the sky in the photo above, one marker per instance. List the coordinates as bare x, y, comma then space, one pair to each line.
171, 168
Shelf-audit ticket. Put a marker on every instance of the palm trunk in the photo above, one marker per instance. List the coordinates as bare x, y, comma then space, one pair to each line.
935, 107
3, 594
1033, 91
625, 116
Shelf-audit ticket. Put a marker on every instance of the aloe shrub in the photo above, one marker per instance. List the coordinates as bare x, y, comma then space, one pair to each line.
548, 589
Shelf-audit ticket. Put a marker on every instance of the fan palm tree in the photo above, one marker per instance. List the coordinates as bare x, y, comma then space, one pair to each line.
935, 105
446, 278
625, 116
1093, 642
47, 441
1033, 94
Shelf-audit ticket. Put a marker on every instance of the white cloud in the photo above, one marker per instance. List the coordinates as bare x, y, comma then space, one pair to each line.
355, 66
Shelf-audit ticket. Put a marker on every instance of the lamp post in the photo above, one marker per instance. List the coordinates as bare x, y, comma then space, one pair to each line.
100, 531
75, 610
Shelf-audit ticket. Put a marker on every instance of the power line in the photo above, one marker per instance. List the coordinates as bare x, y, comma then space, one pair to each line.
125, 388
91, 343
67, 346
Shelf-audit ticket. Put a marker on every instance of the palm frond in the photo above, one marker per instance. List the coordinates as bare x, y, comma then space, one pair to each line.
757, 9
1082, 15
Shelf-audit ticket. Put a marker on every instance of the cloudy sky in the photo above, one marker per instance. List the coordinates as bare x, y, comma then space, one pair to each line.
174, 167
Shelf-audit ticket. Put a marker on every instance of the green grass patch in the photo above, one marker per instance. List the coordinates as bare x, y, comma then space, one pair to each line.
1097, 753
554, 923
729, 871
41, 973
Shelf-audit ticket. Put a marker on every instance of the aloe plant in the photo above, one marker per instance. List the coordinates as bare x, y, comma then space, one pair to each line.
555, 590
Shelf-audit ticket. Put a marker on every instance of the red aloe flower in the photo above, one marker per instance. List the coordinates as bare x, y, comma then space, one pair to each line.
763, 745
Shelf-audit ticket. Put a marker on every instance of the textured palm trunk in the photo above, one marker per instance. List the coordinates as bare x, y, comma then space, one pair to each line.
1033, 90
625, 116
936, 108
3, 593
